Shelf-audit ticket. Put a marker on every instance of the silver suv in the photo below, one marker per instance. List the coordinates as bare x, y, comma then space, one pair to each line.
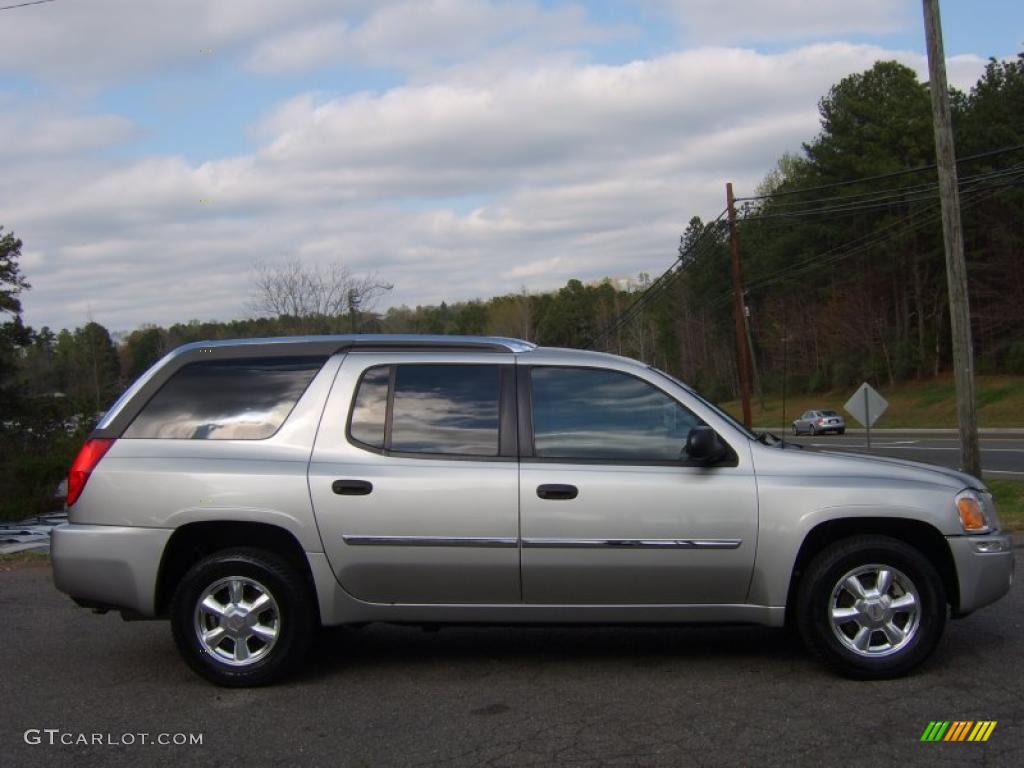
253, 490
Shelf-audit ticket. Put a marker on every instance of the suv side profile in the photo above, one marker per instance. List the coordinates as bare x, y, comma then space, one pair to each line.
251, 491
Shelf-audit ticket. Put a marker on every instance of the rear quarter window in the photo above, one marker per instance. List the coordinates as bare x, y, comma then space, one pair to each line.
240, 399
428, 409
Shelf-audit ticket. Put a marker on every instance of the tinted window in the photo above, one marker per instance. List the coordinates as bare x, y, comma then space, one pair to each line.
581, 413
369, 409
440, 409
446, 409
829, 413
244, 399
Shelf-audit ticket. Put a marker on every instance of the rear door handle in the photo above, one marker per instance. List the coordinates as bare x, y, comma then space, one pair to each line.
557, 492
351, 487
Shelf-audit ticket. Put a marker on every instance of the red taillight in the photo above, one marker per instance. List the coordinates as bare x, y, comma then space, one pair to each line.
85, 462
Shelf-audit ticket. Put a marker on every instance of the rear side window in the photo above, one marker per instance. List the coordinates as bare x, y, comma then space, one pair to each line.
241, 399
369, 409
429, 409
593, 414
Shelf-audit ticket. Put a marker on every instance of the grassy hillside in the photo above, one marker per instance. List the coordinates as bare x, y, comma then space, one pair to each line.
1009, 495
925, 404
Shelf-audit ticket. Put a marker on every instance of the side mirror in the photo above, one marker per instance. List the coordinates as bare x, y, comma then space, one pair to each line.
703, 445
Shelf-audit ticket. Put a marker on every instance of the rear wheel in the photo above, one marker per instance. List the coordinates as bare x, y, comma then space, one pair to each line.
871, 606
242, 617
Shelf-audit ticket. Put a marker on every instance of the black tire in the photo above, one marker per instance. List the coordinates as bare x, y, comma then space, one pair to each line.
841, 431
289, 615
819, 590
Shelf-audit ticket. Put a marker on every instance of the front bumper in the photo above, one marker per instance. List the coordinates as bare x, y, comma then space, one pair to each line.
984, 566
109, 565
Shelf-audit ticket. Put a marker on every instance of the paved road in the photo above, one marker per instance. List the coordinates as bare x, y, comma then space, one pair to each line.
397, 696
1002, 455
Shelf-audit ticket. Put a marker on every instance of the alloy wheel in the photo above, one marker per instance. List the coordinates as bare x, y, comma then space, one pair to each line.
875, 610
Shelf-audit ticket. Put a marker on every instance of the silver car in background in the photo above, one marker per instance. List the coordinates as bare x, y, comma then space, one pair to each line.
819, 423
251, 491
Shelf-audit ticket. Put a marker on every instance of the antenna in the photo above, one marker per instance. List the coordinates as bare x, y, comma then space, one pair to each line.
785, 369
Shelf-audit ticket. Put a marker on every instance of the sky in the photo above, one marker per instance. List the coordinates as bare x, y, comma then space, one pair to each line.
153, 152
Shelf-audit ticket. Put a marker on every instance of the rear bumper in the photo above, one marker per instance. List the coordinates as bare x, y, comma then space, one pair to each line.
984, 566
109, 565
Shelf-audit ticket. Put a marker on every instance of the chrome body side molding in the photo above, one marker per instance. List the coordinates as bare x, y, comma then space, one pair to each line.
430, 541
632, 543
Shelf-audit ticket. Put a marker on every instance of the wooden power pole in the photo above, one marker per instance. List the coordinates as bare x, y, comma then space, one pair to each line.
741, 318
952, 231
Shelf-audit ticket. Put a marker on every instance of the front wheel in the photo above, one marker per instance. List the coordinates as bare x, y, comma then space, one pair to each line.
242, 617
872, 607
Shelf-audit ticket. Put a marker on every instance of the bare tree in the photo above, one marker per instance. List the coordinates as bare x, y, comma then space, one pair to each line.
313, 293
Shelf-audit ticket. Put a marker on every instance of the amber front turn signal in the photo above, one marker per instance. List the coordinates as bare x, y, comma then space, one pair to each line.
972, 517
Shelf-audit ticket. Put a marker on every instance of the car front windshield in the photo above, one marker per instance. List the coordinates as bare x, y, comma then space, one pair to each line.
829, 413
706, 402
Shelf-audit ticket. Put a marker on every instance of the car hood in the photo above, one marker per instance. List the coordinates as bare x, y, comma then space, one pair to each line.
845, 463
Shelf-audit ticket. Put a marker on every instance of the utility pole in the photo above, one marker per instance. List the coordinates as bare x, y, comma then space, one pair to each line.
952, 231
741, 320
353, 308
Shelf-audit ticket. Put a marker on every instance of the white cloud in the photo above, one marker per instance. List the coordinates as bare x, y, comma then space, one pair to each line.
33, 133
96, 43
103, 41
418, 35
450, 190
713, 21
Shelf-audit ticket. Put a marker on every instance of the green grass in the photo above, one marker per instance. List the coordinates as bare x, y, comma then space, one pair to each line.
8, 562
1009, 495
921, 404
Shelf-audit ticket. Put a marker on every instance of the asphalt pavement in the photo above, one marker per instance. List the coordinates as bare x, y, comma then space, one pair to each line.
1002, 453
399, 696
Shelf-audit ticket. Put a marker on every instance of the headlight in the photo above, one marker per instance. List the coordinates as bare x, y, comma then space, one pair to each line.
972, 512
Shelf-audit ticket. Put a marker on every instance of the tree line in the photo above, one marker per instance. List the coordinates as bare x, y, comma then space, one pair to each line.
843, 267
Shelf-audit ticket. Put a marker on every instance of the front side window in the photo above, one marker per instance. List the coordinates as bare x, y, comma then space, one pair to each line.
428, 409
240, 399
594, 414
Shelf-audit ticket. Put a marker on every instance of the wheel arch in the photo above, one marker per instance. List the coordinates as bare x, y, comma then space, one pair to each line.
194, 541
924, 537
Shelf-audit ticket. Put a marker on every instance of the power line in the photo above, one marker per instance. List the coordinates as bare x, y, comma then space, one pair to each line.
972, 197
883, 199
851, 210
662, 282
895, 193
974, 188
23, 5
881, 176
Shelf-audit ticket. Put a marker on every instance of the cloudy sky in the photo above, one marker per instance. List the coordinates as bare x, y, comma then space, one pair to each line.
152, 151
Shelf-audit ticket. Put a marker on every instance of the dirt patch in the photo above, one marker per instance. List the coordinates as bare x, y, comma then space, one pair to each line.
20, 561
